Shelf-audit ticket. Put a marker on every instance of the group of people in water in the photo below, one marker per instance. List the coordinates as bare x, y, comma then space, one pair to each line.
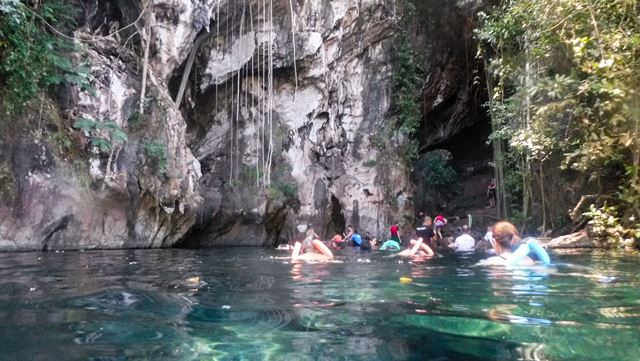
509, 248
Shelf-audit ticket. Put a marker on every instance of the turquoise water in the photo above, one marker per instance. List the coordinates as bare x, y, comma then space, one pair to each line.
253, 304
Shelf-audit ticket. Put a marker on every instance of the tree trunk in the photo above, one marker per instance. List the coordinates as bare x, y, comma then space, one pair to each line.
543, 200
498, 158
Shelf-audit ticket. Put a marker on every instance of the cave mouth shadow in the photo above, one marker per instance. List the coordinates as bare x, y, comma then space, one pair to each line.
472, 155
336, 222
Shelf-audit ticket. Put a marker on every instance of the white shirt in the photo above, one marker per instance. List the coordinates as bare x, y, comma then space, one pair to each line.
489, 236
464, 243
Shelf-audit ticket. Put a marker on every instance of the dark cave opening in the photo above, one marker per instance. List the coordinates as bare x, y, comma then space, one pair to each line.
469, 146
471, 157
337, 223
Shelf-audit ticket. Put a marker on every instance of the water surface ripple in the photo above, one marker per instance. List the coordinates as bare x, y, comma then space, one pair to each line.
254, 304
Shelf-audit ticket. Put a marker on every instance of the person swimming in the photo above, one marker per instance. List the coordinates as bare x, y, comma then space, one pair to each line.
353, 236
465, 242
337, 242
425, 230
505, 235
307, 243
311, 249
366, 244
391, 246
417, 248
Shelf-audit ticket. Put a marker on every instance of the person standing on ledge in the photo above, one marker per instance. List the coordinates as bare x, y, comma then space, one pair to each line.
491, 193
439, 225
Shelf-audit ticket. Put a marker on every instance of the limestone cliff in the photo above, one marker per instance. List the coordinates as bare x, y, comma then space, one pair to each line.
318, 125
266, 112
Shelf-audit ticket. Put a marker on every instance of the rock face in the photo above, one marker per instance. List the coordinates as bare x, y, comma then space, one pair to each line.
318, 126
454, 92
324, 120
276, 130
89, 187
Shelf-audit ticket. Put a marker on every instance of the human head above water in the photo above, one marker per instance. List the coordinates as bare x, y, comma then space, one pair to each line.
505, 234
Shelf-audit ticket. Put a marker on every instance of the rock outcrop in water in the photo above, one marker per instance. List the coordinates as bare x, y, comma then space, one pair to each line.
258, 149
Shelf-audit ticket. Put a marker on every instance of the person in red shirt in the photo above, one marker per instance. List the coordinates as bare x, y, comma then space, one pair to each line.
395, 233
439, 223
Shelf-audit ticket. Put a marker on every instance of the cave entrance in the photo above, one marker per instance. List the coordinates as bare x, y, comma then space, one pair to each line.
336, 222
471, 161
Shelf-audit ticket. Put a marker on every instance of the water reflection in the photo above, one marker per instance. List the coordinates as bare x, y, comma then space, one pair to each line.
256, 305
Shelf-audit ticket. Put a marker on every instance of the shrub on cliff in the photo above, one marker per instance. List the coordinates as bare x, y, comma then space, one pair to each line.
33, 48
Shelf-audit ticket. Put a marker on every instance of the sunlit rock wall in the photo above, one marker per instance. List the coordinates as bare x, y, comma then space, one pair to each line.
323, 120
258, 148
59, 191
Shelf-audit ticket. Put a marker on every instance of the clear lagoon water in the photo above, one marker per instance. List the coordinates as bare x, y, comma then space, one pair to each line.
254, 304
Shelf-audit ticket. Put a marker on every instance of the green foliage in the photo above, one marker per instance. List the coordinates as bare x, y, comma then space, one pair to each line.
282, 185
407, 87
396, 140
435, 172
86, 125
283, 189
32, 58
565, 77
104, 134
136, 122
63, 140
604, 225
156, 153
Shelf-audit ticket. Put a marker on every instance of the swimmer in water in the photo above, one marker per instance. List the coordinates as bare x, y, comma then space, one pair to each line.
311, 249
337, 242
390, 246
505, 235
417, 249
353, 236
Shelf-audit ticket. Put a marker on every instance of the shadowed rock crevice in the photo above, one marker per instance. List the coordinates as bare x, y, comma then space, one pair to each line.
337, 224
454, 89
50, 231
